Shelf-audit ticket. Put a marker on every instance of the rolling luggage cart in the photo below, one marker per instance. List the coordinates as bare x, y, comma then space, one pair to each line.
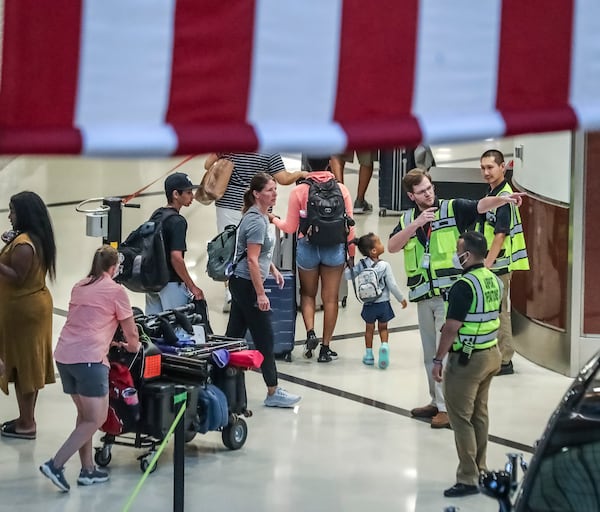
158, 377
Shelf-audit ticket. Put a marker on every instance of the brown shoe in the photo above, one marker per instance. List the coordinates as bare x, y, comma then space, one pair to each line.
440, 420
429, 411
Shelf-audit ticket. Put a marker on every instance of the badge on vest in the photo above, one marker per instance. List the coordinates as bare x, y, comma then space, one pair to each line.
425, 260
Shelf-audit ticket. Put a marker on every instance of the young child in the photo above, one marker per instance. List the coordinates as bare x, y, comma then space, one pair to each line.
380, 309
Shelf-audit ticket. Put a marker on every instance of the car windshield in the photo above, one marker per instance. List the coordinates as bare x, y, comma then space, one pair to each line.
564, 474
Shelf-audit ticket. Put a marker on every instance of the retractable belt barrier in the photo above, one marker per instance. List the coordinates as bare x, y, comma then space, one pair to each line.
176, 427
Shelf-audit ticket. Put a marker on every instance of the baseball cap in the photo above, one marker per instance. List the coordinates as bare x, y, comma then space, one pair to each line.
178, 181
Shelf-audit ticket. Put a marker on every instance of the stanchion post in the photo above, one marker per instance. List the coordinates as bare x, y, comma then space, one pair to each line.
115, 220
179, 455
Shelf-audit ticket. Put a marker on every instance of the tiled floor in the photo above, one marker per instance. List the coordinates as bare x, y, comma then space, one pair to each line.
350, 444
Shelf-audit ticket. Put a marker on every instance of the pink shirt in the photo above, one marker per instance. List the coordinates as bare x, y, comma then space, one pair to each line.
93, 317
299, 198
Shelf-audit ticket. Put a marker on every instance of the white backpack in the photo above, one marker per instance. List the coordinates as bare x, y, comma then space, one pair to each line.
367, 285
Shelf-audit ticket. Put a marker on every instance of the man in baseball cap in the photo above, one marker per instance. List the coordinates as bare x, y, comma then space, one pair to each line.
179, 289
178, 181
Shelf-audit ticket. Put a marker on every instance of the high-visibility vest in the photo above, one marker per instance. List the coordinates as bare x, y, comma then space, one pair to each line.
513, 254
480, 326
424, 283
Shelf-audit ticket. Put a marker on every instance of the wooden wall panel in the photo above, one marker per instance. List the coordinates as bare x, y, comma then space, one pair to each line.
591, 241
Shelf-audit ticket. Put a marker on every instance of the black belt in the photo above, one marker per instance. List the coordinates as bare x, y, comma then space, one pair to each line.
475, 350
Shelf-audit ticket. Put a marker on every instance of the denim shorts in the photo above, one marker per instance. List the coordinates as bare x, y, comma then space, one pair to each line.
309, 257
85, 379
377, 311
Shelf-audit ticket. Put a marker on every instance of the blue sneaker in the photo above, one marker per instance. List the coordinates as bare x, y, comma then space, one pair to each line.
56, 475
92, 477
384, 356
368, 358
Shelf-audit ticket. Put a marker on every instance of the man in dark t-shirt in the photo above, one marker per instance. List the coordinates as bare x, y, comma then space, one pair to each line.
181, 288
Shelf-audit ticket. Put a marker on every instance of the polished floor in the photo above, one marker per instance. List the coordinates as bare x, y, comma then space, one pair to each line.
350, 445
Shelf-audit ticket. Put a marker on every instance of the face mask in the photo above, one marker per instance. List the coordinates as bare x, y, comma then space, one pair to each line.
458, 260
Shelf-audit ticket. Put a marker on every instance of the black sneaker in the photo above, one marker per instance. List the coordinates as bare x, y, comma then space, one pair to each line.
326, 355
506, 369
311, 343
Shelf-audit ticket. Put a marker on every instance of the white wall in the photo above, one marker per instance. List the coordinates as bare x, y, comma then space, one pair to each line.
545, 167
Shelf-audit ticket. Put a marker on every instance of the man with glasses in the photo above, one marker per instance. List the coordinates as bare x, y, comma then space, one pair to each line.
428, 234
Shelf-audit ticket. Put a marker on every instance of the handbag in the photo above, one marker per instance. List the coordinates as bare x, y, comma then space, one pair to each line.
214, 182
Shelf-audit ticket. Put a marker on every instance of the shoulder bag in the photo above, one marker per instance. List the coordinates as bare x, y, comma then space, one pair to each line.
214, 182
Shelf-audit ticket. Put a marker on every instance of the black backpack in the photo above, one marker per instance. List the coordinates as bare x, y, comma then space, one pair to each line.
326, 222
143, 265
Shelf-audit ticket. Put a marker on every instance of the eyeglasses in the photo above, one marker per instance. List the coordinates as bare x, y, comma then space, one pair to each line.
424, 191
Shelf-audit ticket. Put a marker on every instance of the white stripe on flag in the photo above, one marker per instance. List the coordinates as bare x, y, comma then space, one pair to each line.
585, 63
125, 75
295, 73
456, 70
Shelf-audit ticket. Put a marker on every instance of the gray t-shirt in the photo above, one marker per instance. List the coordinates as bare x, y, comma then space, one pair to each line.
254, 229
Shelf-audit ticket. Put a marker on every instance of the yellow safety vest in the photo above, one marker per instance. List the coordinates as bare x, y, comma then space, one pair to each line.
480, 326
424, 283
513, 254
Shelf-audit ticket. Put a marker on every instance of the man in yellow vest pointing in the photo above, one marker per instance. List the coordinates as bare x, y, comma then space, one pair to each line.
470, 335
503, 233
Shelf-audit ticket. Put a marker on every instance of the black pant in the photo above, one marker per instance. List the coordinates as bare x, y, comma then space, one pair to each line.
246, 315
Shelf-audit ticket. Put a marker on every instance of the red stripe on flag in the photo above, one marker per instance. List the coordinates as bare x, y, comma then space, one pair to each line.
40, 62
535, 66
208, 137
212, 58
44, 141
376, 73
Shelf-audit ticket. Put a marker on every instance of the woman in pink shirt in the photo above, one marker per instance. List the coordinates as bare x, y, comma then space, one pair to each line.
97, 306
319, 258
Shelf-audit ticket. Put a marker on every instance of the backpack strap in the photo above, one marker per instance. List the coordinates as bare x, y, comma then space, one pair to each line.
245, 253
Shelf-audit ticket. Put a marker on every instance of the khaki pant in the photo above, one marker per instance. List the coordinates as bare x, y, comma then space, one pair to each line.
505, 331
431, 315
466, 391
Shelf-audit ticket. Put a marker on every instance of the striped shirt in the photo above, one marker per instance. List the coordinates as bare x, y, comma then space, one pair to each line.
245, 166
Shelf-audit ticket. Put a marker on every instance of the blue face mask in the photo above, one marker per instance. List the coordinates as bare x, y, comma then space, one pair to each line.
458, 260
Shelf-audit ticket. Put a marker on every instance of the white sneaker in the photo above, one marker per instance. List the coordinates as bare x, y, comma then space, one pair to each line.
281, 398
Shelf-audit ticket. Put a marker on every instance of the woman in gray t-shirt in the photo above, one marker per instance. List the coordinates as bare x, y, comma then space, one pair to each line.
250, 306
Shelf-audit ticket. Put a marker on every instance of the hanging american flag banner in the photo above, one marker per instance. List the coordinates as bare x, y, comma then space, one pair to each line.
164, 77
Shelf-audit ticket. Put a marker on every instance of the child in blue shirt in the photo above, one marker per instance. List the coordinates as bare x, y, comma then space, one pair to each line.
380, 309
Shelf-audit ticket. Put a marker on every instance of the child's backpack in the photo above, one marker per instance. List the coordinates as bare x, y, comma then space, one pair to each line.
143, 256
367, 284
221, 253
123, 409
326, 222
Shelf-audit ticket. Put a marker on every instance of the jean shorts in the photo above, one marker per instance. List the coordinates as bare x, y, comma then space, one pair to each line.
85, 379
309, 257
377, 311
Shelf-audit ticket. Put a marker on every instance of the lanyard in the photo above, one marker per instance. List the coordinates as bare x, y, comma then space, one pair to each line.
428, 236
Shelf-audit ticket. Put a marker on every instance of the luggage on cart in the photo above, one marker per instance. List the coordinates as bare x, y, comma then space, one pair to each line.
158, 410
283, 317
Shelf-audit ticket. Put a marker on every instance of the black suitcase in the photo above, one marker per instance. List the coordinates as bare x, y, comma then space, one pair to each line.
158, 411
232, 381
393, 165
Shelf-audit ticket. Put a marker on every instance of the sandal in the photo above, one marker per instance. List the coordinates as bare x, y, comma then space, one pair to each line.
9, 430
9, 422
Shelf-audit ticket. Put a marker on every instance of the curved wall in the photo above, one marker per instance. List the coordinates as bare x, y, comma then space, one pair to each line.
539, 297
